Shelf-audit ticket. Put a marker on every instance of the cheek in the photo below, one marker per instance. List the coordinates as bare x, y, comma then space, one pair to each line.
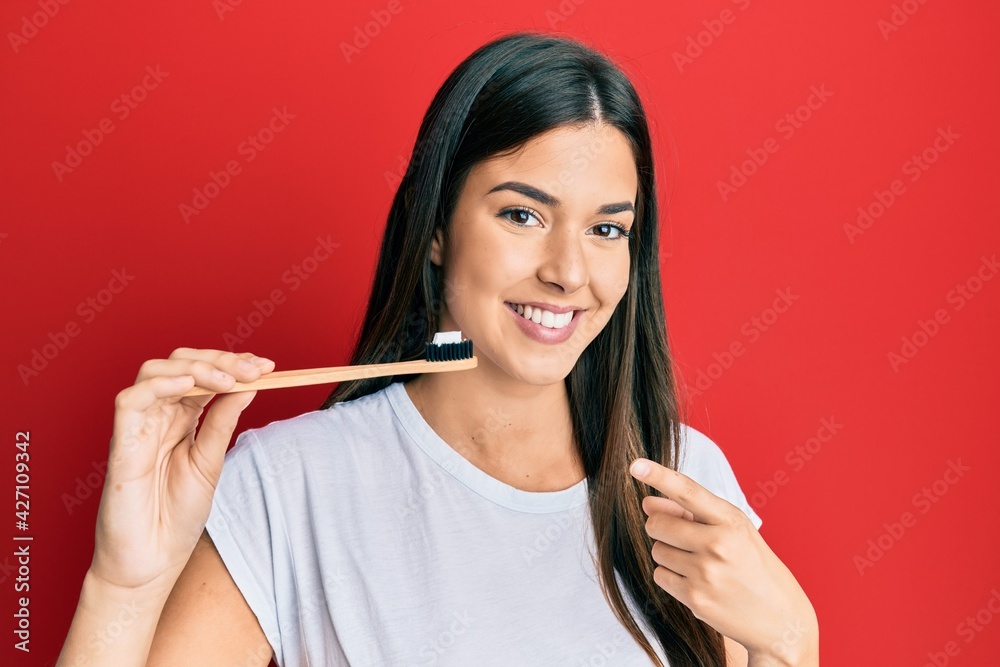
614, 282
481, 269
494, 267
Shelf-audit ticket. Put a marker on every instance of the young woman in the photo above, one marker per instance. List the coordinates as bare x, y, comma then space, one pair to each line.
489, 516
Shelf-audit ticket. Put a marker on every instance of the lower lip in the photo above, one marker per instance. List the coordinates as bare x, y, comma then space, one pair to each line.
544, 334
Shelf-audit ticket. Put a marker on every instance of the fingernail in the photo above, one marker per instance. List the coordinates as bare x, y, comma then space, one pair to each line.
261, 361
640, 468
247, 366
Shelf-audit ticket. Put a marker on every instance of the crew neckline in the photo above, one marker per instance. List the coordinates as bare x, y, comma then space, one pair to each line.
491, 488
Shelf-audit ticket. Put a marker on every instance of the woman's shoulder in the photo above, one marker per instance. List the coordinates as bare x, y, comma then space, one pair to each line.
704, 461
702, 458
696, 448
323, 432
362, 411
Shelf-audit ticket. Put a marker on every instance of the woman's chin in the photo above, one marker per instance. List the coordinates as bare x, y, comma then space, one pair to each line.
541, 375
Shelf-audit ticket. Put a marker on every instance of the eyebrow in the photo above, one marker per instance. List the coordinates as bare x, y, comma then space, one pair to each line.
549, 200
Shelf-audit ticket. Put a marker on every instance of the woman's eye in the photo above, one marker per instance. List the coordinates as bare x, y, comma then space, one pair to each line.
610, 230
519, 216
614, 231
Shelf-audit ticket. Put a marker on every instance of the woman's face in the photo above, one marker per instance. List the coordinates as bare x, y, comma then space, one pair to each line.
540, 226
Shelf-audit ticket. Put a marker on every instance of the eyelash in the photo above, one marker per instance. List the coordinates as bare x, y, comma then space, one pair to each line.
623, 234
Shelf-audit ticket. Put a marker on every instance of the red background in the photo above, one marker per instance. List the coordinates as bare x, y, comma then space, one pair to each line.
328, 173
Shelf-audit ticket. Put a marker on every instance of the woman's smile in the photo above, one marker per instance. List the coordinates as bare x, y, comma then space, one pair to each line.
543, 325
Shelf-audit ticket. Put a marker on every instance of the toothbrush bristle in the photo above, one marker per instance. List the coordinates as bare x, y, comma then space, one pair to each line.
448, 351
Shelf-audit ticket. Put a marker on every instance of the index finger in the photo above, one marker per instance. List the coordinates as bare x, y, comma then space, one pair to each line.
706, 507
242, 366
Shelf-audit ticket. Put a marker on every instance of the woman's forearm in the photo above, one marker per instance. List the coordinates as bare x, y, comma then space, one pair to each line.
113, 625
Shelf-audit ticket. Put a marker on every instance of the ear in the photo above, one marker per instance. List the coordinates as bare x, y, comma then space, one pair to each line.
437, 246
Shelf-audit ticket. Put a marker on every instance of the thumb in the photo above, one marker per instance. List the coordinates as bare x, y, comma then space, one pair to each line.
217, 430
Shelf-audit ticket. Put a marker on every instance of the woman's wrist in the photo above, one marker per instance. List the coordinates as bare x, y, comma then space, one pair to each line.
114, 624
797, 658
101, 587
798, 647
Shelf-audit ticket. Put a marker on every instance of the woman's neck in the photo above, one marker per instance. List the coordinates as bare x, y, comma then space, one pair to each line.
518, 433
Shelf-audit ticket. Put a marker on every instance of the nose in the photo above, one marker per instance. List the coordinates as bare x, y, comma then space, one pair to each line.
563, 261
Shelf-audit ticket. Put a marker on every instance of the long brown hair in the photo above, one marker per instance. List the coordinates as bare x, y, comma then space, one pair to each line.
622, 390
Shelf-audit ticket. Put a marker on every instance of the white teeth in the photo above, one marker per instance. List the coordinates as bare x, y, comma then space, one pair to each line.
544, 317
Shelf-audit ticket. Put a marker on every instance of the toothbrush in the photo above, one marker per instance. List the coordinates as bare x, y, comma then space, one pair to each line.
447, 352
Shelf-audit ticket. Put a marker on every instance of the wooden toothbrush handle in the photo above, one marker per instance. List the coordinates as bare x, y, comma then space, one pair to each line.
306, 376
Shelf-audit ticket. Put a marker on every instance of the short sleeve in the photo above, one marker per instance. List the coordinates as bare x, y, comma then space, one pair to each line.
703, 461
245, 524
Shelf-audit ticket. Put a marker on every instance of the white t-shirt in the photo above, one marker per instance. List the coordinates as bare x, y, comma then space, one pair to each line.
358, 536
